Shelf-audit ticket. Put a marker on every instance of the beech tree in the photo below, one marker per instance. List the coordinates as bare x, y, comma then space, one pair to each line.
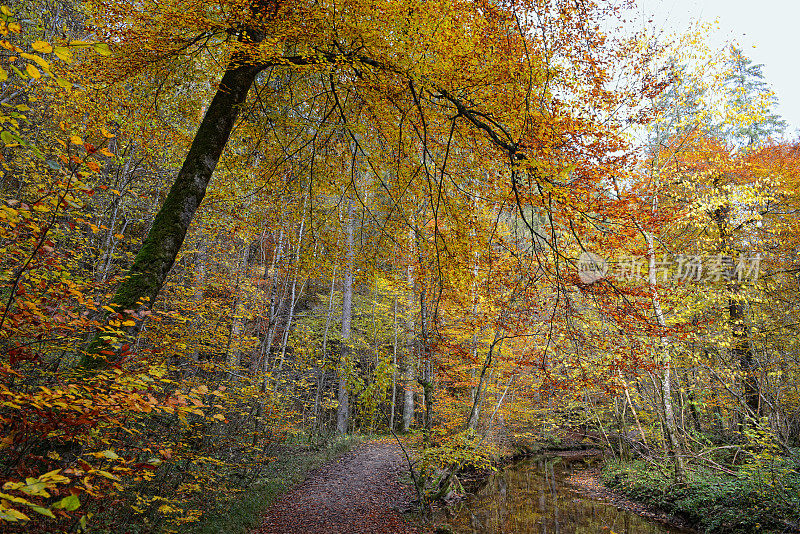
343, 43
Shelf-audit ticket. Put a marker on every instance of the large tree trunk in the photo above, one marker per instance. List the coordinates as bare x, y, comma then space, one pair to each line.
741, 349
166, 235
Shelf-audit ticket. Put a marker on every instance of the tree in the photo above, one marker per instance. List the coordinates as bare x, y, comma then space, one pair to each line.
353, 54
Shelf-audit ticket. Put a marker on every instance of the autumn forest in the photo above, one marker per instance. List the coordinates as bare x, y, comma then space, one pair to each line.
232, 233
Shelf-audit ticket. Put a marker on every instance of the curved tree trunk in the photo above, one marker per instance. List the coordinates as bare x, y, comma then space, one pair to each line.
161, 246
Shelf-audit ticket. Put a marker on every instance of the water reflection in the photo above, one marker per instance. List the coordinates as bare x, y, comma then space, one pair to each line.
530, 497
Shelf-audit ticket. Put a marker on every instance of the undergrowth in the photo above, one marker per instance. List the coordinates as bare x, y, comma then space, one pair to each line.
715, 502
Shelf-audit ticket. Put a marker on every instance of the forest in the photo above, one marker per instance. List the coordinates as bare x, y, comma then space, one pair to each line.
234, 229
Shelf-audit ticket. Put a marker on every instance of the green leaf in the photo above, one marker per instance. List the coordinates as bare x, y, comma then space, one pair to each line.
111, 455
43, 511
68, 503
14, 498
9, 514
102, 49
36, 488
8, 138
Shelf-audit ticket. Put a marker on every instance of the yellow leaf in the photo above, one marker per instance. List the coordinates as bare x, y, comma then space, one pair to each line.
32, 71
15, 514
63, 53
102, 49
76, 140
3, 75
106, 134
42, 46
33, 57
107, 475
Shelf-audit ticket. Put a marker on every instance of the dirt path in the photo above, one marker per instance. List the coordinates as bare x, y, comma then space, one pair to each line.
359, 494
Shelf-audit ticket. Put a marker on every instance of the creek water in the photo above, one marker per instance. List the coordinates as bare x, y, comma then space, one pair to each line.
531, 496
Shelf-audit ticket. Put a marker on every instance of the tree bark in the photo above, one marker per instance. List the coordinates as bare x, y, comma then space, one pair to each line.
408, 361
743, 353
321, 370
394, 369
670, 428
343, 410
166, 235
234, 354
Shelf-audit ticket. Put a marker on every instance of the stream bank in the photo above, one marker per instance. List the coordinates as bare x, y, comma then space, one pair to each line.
559, 493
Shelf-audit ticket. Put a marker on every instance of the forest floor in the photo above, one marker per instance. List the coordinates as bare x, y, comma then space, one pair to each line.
360, 493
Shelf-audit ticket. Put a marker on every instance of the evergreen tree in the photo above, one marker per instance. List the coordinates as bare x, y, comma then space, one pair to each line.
750, 102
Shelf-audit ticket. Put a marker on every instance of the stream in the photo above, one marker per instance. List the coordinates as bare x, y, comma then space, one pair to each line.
531, 496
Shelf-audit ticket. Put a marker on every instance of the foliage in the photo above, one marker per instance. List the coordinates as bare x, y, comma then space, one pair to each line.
716, 502
456, 158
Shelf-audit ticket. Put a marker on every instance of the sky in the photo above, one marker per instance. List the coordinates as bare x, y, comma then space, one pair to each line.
766, 30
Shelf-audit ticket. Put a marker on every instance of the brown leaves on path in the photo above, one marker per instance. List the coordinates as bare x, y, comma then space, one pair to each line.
358, 494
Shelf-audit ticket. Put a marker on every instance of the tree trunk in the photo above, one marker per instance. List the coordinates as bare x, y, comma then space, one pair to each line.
670, 428
199, 288
294, 295
408, 361
394, 369
743, 353
234, 355
343, 410
321, 371
272, 316
160, 248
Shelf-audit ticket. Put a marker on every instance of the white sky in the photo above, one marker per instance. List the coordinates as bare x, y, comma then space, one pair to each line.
767, 31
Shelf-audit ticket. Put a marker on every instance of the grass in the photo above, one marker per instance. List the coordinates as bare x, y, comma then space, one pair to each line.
242, 512
750, 501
